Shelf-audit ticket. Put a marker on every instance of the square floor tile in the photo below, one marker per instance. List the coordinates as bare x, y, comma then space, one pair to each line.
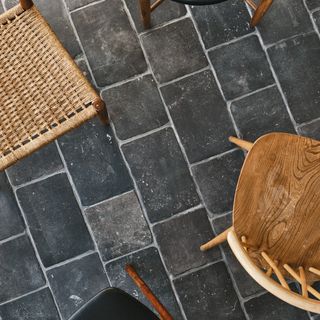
200, 115
149, 266
241, 67
162, 175
41, 163
174, 50
36, 306
311, 130
208, 293
110, 43
135, 107
10, 216
313, 4
296, 62
222, 22
167, 11
119, 226
217, 180
95, 163
76, 282
261, 113
20, 270
283, 20
55, 219
180, 239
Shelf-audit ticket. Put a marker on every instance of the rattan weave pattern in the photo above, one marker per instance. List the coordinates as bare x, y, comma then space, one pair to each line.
42, 92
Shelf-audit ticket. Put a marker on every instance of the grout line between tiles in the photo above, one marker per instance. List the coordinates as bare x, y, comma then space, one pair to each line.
16, 236
85, 6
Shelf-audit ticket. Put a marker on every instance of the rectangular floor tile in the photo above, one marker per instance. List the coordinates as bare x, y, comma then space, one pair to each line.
261, 113
36, 306
109, 41
149, 266
200, 115
241, 67
135, 107
95, 163
217, 180
119, 226
313, 4
162, 175
76, 282
222, 22
10, 216
180, 239
174, 50
296, 62
55, 219
311, 130
20, 271
208, 293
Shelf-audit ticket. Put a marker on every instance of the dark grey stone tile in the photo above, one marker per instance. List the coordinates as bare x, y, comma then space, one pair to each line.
43, 162
55, 219
222, 22
36, 306
174, 50
296, 62
82, 64
119, 226
311, 130
261, 113
241, 67
111, 45
200, 115
313, 4
209, 293
135, 107
246, 285
95, 163
161, 174
11, 221
75, 4
1, 8
149, 266
76, 282
284, 19
180, 238
167, 11
316, 18
20, 271
268, 307
217, 180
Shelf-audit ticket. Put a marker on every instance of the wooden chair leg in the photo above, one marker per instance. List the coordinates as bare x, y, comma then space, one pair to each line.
100, 106
26, 4
241, 143
260, 12
145, 7
216, 241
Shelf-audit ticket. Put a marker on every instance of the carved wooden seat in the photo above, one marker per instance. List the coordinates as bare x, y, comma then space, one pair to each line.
276, 216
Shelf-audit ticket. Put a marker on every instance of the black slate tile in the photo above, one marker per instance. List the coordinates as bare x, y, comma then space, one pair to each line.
311, 130
135, 107
209, 293
180, 238
83, 66
217, 180
296, 62
75, 4
161, 174
11, 221
20, 271
268, 307
149, 266
261, 113
36, 306
222, 22
167, 11
119, 226
313, 4
200, 115
55, 219
111, 45
76, 282
43, 162
284, 19
174, 50
241, 67
95, 163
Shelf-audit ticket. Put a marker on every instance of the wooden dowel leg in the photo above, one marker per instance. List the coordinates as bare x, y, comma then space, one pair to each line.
216, 241
100, 106
241, 143
260, 12
26, 4
315, 271
303, 282
156, 4
145, 7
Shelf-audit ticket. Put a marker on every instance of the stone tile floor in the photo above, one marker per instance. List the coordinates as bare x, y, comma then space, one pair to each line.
152, 187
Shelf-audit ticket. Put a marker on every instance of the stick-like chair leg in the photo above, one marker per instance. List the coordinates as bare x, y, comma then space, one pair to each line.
100, 106
216, 241
241, 143
260, 12
145, 7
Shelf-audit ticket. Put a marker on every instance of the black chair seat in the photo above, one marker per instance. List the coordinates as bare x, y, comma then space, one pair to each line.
199, 2
114, 304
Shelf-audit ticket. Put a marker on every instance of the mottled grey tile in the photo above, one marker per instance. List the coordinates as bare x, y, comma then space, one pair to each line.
316, 18
75, 4
311, 130
83, 66
1, 8
174, 50
313, 4
200, 115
